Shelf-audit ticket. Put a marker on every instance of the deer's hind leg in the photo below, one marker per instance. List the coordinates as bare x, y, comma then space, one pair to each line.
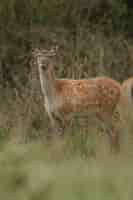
114, 137
112, 132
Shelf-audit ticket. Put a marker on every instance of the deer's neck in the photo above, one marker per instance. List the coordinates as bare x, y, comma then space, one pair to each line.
48, 87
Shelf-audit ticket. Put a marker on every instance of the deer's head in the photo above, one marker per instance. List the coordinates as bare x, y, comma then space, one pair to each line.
43, 57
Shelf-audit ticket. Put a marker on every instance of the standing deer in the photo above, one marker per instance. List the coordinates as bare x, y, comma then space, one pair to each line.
64, 97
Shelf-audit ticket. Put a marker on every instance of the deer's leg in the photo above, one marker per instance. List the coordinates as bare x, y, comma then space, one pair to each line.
62, 122
58, 123
113, 135
112, 132
53, 127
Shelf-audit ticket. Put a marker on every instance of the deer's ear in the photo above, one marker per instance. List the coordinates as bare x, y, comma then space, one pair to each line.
54, 51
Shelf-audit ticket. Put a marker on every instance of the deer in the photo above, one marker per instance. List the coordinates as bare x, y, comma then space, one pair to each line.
97, 96
127, 90
126, 100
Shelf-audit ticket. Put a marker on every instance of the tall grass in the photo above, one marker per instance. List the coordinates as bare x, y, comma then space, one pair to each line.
78, 166
39, 170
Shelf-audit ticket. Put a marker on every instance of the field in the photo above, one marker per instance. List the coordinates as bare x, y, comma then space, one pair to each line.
78, 166
94, 38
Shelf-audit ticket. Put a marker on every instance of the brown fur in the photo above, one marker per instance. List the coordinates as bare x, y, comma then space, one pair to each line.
99, 94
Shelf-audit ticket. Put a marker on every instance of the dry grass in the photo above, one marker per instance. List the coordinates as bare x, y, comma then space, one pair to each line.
78, 166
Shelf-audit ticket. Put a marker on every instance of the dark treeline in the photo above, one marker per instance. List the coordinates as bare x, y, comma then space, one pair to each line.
28, 22
108, 13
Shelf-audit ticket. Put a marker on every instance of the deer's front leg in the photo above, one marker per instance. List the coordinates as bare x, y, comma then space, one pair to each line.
58, 123
61, 122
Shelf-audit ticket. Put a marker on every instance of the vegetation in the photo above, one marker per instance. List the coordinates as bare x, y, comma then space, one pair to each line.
85, 24
64, 169
94, 38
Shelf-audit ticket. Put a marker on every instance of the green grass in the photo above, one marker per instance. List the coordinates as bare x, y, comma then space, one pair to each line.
64, 170
76, 167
